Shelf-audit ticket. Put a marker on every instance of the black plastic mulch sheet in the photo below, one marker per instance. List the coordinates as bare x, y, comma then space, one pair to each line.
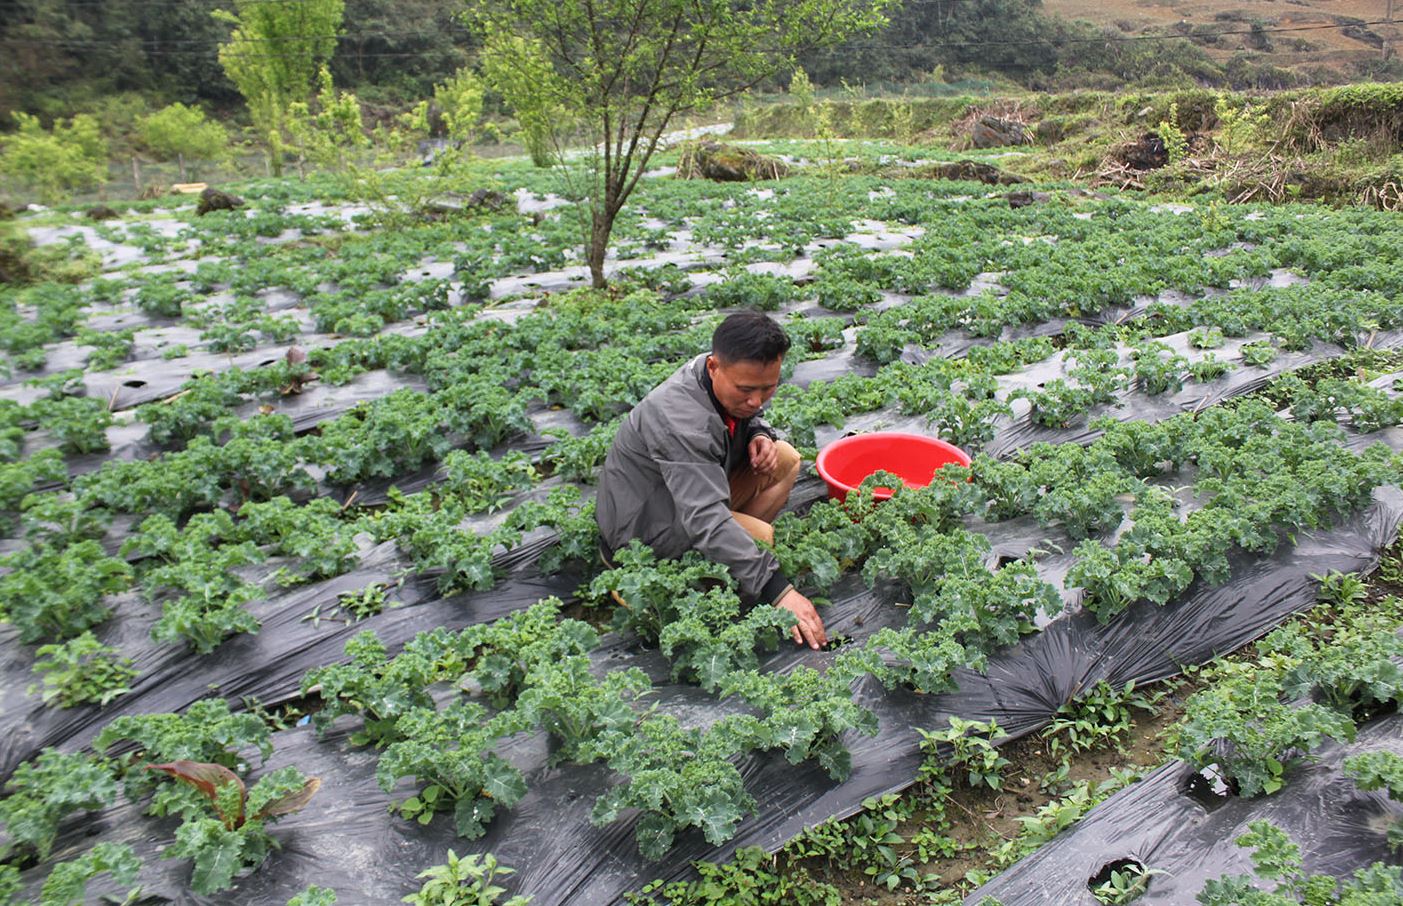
172, 677
347, 840
1011, 434
1160, 825
317, 404
1019, 432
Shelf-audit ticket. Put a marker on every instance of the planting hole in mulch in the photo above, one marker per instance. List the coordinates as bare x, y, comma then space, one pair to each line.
1209, 788
1120, 881
1364, 712
289, 713
837, 641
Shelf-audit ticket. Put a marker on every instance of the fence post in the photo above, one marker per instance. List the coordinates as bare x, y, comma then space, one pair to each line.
1388, 39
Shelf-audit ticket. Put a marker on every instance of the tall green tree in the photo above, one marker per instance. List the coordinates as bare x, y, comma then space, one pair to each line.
33, 54
179, 41
276, 50
396, 50
60, 56
626, 69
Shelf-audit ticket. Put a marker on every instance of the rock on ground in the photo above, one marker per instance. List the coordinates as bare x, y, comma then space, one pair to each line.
212, 199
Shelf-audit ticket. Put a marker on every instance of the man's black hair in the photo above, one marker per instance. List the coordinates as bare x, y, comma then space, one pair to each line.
749, 336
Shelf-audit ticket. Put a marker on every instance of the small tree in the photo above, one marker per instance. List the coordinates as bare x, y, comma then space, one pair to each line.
459, 101
1240, 125
275, 51
394, 193
183, 133
327, 128
518, 69
1176, 144
801, 90
626, 68
54, 164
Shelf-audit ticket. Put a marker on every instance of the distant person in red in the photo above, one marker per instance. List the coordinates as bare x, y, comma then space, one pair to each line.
695, 467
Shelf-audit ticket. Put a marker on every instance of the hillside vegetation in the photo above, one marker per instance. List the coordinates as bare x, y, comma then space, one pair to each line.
1339, 145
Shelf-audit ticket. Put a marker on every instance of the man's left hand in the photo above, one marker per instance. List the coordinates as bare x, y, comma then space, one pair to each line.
764, 455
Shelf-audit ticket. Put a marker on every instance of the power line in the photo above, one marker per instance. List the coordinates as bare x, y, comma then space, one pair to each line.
281, 56
166, 4
90, 43
157, 50
1121, 39
1099, 39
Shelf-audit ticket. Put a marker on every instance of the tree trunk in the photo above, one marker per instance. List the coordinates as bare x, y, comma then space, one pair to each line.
594, 255
180, 158
601, 225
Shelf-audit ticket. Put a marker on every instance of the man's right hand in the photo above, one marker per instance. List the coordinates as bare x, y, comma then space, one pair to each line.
810, 629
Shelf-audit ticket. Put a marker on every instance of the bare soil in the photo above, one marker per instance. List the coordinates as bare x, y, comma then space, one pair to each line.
1330, 48
985, 818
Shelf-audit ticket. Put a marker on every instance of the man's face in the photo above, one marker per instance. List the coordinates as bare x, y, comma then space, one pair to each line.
743, 387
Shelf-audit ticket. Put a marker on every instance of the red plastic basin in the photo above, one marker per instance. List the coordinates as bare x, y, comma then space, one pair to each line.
844, 463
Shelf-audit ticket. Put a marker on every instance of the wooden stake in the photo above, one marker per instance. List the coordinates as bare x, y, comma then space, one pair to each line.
1388, 17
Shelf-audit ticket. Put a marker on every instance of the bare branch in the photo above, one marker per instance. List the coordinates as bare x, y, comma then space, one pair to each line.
641, 123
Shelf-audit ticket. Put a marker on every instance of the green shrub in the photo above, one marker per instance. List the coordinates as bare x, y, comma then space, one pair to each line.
55, 163
182, 133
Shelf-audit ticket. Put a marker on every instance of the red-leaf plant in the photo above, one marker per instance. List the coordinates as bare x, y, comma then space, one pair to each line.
228, 795
235, 840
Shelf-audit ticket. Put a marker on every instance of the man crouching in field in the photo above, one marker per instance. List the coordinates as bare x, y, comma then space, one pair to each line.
695, 467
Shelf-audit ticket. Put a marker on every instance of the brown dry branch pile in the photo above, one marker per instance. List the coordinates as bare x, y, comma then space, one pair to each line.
1011, 110
727, 163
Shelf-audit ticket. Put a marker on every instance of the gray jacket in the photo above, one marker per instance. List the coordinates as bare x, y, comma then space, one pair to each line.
665, 483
